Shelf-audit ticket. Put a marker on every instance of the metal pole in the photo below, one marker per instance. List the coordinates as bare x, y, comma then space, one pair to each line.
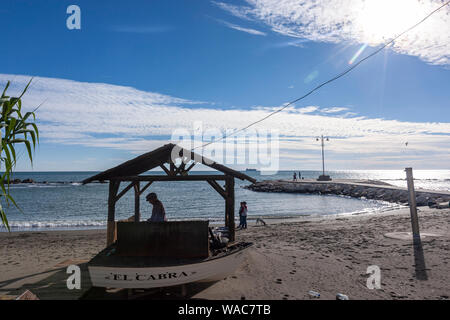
323, 158
412, 204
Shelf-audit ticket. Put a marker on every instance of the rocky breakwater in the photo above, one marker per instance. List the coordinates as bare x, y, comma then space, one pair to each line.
369, 190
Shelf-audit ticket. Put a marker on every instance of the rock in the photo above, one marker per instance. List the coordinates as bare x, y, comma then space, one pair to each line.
28, 181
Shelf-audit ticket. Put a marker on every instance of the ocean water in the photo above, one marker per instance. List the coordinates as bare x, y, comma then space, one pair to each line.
64, 203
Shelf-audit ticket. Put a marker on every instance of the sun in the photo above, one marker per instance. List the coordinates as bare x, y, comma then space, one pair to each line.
380, 20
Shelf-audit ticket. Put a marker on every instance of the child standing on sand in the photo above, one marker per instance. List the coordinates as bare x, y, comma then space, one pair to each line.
243, 215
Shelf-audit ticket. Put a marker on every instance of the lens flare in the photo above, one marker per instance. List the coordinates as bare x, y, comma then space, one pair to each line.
358, 53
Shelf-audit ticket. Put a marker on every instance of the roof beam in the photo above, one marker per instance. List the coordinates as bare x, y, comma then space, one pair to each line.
196, 177
145, 188
218, 188
128, 187
165, 169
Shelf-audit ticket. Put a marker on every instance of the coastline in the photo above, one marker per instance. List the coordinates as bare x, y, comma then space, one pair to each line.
289, 258
271, 219
354, 188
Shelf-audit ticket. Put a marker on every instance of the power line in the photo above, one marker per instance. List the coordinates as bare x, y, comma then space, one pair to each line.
328, 81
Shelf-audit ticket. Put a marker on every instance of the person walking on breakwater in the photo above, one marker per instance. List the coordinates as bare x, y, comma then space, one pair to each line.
243, 215
295, 177
158, 212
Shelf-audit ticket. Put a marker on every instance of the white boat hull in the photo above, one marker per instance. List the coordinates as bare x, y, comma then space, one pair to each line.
155, 277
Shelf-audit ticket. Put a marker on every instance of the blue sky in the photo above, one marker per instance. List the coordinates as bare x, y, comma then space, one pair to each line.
170, 63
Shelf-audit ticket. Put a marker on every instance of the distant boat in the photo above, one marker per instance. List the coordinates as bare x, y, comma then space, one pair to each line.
251, 170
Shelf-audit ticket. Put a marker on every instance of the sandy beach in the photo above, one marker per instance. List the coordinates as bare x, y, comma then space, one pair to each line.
330, 256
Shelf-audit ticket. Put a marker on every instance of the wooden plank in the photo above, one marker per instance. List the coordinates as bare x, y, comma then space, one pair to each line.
218, 188
412, 204
158, 157
180, 169
124, 191
202, 177
137, 165
145, 188
172, 167
137, 198
111, 226
190, 167
165, 169
171, 239
229, 207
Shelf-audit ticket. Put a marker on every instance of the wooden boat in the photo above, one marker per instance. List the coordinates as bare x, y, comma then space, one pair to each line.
106, 270
160, 254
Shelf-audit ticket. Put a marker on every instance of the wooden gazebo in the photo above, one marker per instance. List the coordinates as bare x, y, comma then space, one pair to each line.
166, 157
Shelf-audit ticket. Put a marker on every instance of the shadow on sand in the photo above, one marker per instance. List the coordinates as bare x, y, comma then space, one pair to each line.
48, 285
185, 292
419, 260
52, 285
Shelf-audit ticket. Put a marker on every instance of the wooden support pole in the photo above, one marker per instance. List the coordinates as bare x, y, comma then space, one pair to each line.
111, 225
229, 206
125, 190
412, 204
190, 167
137, 198
172, 168
165, 169
218, 188
145, 188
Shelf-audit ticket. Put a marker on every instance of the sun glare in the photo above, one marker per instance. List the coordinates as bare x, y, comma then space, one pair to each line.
380, 20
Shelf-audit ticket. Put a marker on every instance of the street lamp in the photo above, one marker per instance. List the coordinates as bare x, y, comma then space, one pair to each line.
323, 177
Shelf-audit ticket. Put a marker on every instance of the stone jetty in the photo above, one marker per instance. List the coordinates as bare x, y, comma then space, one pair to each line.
368, 189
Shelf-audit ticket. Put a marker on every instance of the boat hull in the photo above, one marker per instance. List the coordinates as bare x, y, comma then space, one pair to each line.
214, 269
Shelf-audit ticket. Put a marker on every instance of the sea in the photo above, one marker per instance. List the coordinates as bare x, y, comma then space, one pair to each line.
64, 203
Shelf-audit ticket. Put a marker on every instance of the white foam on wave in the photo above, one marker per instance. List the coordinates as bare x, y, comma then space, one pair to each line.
54, 224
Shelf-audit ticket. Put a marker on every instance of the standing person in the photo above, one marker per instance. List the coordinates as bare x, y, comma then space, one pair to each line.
299, 175
243, 214
295, 176
158, 212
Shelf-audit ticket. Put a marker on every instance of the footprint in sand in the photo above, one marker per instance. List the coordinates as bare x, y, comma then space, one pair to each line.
293, 272
279, 281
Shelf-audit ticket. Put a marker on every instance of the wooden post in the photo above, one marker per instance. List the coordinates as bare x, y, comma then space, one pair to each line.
111, 225
412, 204
229, 206
137, 193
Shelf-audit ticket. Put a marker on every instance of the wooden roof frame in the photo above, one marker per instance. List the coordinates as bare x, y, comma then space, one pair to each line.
168, 154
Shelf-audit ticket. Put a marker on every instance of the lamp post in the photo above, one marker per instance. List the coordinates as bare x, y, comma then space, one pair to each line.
323, 177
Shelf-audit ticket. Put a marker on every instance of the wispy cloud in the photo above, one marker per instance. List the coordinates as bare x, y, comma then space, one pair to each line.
371, 22
117, 117
334, 109
309, 109
239, 28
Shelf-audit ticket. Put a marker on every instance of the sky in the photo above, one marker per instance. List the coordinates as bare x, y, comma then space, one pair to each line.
138, 71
